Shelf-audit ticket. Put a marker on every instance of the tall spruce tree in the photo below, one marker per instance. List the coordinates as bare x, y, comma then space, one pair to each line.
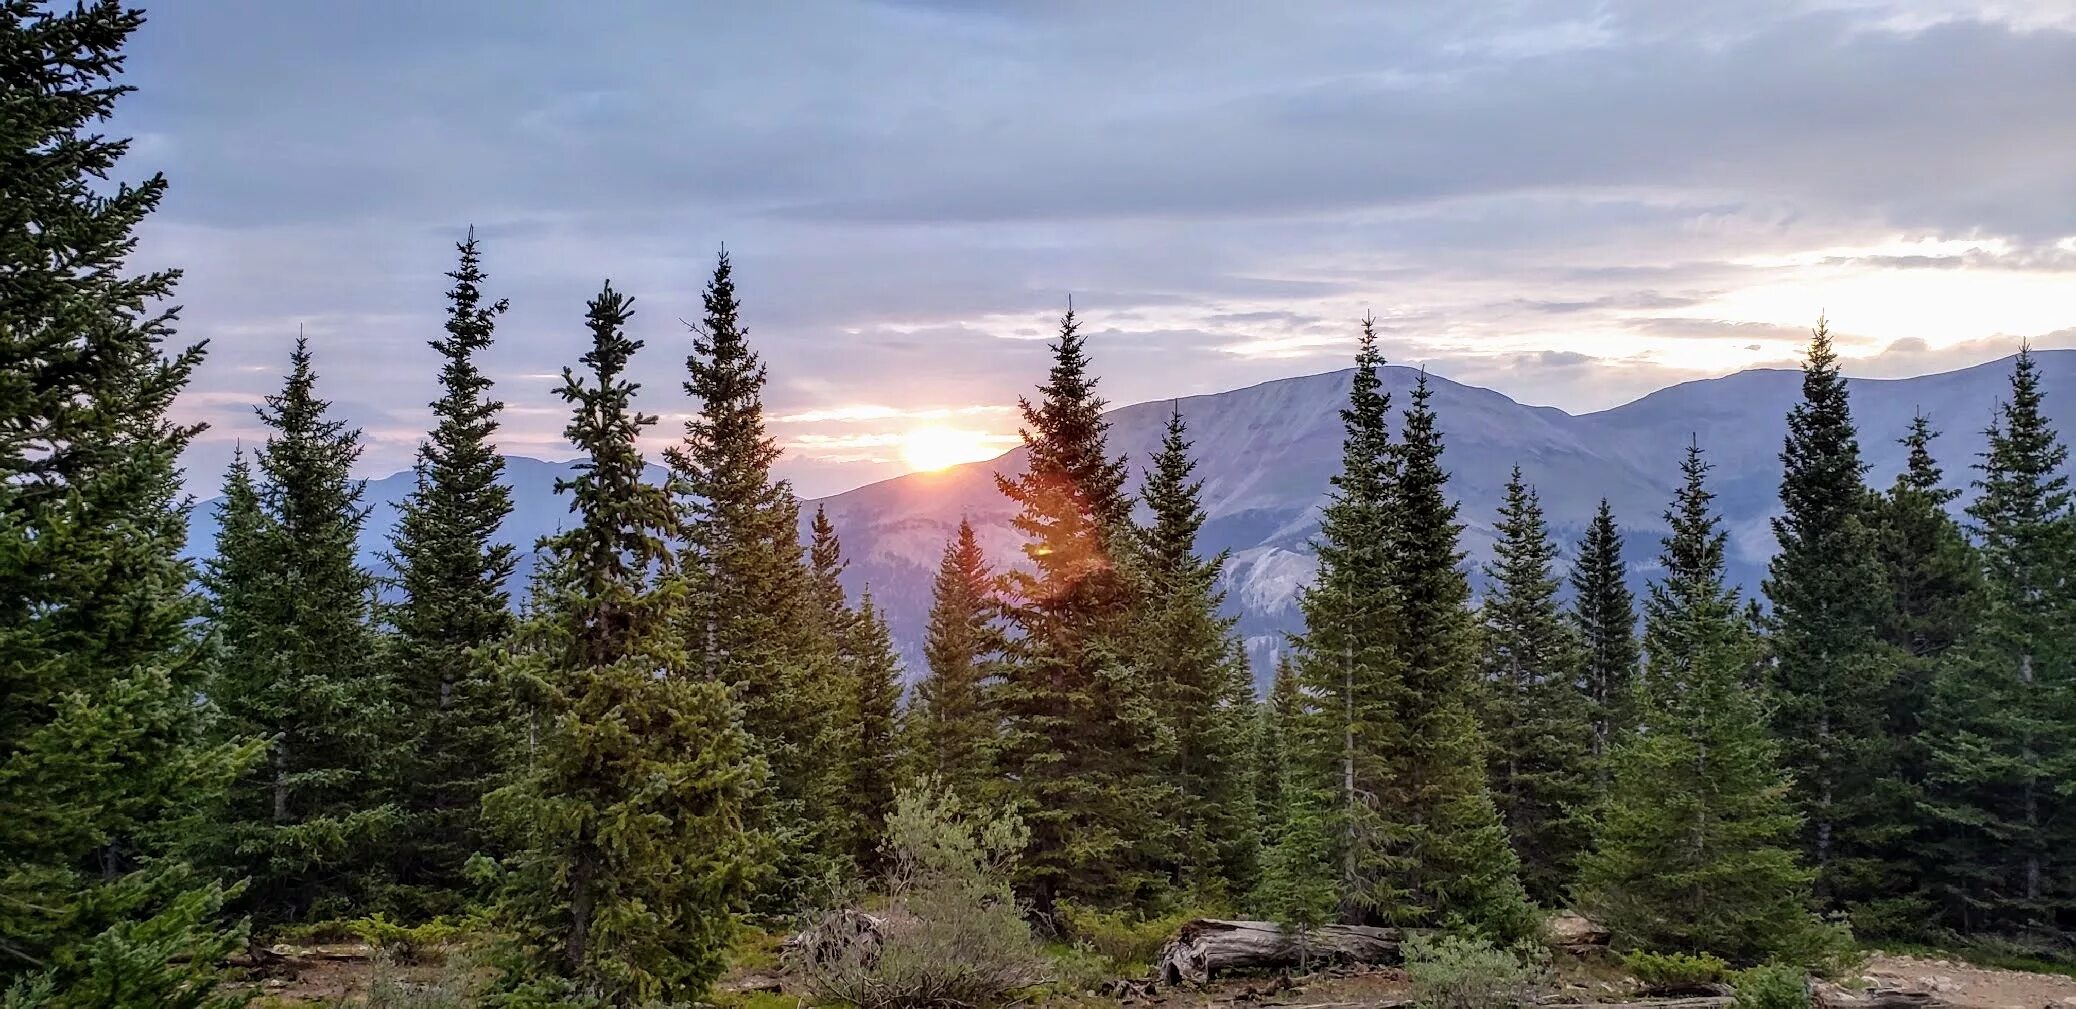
749, 619
1539, 720
104, 762
1604, 614
1934, 582
870, 719
1694, 847
2002, 719
949, 726
298, 667
1829, 667
1195, 664
459, 723
631, 855
1347, 666
1078, 740
1461, 869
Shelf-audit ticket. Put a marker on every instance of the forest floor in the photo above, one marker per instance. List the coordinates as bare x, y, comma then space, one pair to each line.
1963, 984
344, 974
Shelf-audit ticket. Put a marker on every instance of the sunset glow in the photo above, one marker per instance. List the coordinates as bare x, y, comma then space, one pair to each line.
932, 448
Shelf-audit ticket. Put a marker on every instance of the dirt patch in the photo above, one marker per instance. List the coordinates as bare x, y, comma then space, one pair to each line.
1377, 987
1971, 987
336, 974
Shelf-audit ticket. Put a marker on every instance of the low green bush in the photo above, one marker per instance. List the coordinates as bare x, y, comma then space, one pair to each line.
1128, 940
406, 944
1455, 972
1772, 986
1660, 970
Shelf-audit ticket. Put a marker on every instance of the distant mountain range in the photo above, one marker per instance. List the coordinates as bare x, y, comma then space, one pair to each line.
1266, 453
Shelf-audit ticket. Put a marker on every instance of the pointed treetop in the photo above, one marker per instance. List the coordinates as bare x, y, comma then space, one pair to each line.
1694, 550
825, 550
622, 516
1176, 502
1365, 462
1921, 472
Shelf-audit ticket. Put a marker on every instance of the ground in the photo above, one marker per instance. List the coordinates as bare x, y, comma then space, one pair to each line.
1968, 986
343, 974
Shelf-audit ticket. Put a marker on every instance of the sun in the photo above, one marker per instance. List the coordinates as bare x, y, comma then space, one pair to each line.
930, 448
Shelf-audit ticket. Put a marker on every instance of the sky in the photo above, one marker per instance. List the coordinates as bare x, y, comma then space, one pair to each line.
1571, 203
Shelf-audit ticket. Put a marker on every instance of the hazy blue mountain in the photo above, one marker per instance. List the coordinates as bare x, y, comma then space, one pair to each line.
1268, 450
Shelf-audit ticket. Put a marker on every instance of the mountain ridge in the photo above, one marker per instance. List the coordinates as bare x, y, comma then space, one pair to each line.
1266, 452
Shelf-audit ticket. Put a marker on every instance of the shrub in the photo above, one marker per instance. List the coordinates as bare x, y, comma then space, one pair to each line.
1665, 970
458, 984
1824, 946
405, 944
1128, 940
951, 934
1454, 972
1773, 986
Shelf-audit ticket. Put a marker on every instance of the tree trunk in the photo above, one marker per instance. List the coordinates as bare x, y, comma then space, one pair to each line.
280, 760
1205, 946
580, 907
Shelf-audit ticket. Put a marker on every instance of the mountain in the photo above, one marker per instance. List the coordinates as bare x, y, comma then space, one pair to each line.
1267, 452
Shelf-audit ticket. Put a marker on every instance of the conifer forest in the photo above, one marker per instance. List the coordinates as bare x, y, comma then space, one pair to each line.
684, 753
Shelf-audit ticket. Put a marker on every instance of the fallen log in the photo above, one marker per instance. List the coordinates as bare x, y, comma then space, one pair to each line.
1828, 997
1687, 989
1205, 947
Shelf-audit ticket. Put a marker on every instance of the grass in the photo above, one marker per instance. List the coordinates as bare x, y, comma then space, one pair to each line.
754, 1000
755, 951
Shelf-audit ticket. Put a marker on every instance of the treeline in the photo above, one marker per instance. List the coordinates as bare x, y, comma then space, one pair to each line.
687, 719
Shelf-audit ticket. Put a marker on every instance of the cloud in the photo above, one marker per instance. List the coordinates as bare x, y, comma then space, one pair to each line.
1564, 358
1680, 328
1565, 204
872, 411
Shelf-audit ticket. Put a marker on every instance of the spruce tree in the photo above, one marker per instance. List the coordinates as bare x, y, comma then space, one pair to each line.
1295, 885
949, 726
1603, 612
104, 761
871, 753
459, 725
1197, 668
631, 857
1828, 666
1078, 740
1274, 737
1461, 869
1695, 845
1296, 888
298, 667
2002, 729
1932, 573
1342, 756
1539, 721
1934, 583
749, 620
830, 607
